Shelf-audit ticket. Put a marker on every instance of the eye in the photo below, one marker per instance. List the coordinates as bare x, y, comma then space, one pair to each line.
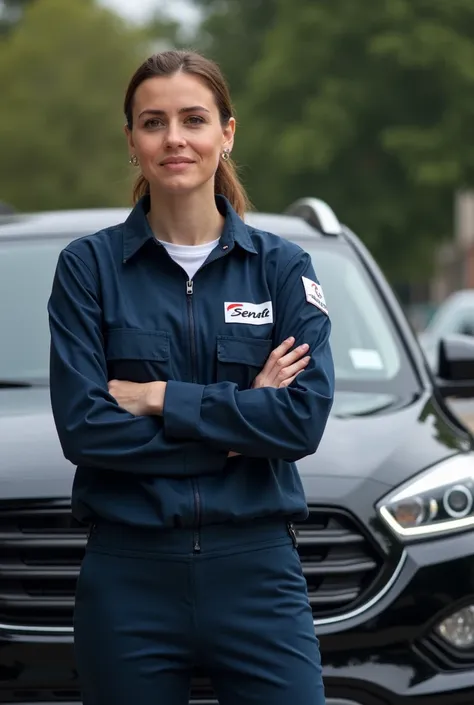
152, 123
195, 120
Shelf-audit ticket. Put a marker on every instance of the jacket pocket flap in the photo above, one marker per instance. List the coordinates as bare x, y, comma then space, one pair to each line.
246, 351
132, 344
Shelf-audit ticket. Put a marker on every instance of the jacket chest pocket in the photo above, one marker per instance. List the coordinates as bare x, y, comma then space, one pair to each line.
240, 359
138, 355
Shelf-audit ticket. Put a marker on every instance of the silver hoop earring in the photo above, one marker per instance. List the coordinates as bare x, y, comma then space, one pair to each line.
134, 160
226, 155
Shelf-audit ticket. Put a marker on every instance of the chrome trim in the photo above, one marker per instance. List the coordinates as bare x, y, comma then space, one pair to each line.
45, 630
15, 629
438, 530
452, 512
367, 605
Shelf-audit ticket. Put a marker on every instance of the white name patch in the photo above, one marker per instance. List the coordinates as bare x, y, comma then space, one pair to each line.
255, 314
314, 294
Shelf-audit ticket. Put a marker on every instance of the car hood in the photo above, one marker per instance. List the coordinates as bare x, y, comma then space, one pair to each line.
368, 437
385, 439
31, 460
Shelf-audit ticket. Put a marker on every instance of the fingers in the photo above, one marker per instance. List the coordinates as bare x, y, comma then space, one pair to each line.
289, 380
292, 357
286, 382
282, 356
282, 364
292, 370
281, 350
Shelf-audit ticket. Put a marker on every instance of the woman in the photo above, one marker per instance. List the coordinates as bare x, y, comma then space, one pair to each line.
183, 426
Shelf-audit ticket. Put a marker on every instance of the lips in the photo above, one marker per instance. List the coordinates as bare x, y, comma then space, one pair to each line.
176, 160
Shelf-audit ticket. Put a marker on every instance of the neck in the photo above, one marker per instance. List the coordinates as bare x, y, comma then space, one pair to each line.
185, 220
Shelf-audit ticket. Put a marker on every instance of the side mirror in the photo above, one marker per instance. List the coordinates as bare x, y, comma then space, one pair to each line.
467, 329
455, 368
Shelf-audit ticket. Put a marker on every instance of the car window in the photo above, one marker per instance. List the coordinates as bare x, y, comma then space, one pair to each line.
26, 275
366, 348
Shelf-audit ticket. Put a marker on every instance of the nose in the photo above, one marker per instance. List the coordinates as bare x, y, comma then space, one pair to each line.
174, 135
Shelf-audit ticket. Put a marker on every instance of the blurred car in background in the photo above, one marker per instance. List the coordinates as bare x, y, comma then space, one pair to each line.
388, 548
455, 316
5, 208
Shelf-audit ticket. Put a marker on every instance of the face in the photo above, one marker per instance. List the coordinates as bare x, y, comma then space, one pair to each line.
177, 134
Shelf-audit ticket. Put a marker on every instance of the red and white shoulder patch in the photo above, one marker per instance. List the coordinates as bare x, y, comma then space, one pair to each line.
314, 294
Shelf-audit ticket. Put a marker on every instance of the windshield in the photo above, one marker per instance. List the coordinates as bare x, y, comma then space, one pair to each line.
367, 351
26, 275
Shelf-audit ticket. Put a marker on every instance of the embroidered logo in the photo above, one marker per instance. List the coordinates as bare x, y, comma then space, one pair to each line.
314, 294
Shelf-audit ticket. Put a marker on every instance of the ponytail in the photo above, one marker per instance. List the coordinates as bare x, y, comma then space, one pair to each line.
227, 183
141, 188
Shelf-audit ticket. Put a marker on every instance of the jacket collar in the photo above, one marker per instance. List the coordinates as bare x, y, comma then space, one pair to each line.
137, 231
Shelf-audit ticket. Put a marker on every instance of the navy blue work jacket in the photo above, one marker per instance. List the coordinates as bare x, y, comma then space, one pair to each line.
121, 308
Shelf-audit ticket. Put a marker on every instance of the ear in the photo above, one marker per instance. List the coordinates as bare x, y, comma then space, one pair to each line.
228, 134
128, 135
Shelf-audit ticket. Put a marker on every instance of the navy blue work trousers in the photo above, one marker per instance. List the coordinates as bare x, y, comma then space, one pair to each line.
150, 609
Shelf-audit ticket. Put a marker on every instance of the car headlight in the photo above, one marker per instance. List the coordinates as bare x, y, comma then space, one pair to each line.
437, 501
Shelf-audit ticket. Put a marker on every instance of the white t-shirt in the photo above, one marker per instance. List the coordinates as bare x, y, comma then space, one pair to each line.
189, 257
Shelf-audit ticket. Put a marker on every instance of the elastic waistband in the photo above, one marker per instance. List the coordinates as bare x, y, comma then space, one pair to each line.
206, 539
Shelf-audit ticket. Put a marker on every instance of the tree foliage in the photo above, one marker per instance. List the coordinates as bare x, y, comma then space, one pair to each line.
232, 33
63, 74
370, 109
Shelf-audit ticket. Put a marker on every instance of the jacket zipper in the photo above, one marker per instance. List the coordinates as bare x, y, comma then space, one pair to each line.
197, 497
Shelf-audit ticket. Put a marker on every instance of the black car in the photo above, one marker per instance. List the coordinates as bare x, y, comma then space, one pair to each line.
388, 549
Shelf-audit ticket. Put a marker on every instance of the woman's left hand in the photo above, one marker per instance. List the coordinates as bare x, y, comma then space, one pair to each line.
140, 399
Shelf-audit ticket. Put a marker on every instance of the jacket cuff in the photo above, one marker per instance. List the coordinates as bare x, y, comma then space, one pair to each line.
182, 410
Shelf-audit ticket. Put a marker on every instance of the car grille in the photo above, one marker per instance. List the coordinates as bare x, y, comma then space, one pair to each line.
443, 656
40, 558
339, 561
41, 551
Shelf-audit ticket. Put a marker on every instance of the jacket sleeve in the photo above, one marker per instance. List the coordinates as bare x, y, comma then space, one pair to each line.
283, 423
93, 429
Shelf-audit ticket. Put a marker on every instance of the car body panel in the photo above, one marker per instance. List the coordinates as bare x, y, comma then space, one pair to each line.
396, 445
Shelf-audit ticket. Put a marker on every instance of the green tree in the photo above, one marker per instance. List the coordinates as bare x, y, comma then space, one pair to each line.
369, 109
63, 74
232, 32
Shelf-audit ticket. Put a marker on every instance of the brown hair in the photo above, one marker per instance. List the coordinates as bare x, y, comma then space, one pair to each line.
167, 63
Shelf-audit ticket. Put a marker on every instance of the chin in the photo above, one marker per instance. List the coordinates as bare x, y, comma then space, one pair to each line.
180, 185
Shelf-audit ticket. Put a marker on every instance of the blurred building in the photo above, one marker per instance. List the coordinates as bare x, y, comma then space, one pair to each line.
456, 259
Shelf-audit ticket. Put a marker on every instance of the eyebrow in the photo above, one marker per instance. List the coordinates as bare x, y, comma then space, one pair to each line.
192, 109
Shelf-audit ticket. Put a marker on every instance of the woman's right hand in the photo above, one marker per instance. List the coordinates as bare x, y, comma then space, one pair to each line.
282, 366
